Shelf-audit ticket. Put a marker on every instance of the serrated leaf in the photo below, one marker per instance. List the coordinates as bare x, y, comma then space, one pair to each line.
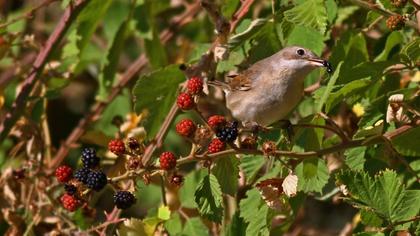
237, 225
194, 226
89, 19
248, 205
408, 142
347, 90
306, 37
251, 164
186, 193
155, 93
370, 218
384, 194
313, 175
332, 9
110, 65
311, 13
208, 197
226, 171
155, 51
258, 224
411, 52
355, 158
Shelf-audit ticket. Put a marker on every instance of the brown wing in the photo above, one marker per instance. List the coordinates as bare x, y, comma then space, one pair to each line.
243, 81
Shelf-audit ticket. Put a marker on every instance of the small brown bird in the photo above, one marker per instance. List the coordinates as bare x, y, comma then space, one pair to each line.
268, 90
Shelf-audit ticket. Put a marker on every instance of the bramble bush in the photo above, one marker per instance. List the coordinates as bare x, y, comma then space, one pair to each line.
108, 125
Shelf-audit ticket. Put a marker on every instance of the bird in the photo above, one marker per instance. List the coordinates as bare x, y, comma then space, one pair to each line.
269, 89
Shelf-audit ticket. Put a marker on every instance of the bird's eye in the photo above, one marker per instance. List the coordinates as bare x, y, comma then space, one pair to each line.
300, 52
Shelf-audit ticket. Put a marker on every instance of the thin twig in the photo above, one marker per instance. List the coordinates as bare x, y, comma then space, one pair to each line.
28, 14
70, 14
384, 12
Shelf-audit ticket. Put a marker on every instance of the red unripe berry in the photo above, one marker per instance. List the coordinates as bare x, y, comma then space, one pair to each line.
167, 161
69, 202
216, 121
185, 127
185, 101
64, 173
216, 145
194, 85
116, 146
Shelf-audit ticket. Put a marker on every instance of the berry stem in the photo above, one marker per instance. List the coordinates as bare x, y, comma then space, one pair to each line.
162, 187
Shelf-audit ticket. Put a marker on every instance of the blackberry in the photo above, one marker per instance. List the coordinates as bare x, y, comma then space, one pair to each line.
82, 174
228, 133
96, 180
70, 189
124, 199
89, 158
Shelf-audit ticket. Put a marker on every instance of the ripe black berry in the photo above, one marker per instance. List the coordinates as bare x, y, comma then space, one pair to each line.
89, 158
124, 199
228, 133
96, 180
82, 175
70, 189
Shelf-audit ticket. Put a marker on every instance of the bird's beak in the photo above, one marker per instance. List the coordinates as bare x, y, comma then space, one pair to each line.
321, 63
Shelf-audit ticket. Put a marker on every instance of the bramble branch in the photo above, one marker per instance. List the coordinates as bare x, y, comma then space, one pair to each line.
70, 14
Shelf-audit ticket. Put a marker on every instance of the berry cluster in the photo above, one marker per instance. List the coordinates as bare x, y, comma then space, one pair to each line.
185, 100
395, 22
229, 133
90, 176
185, 127
167, 161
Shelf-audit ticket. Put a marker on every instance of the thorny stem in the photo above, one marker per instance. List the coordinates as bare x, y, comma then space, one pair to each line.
391, 226
28, 14
70, 14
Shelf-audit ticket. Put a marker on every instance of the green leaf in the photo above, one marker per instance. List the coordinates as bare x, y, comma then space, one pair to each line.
384, 194
258, 224
411, 52
352, 88
208, 197
251, 164
345, 12
312, 174
332, 9
355, 158
110, 65
249, 204
254, 27
330, 85
89, 19
226, 171
237, 225
229, 7
194, 226
186, 193
155, 51
370, 218
306, 37
394, 39
309, 139
311, 13
155, 93
174, 224
408, 142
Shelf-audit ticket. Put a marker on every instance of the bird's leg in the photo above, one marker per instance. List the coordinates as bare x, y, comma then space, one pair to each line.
287, 126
